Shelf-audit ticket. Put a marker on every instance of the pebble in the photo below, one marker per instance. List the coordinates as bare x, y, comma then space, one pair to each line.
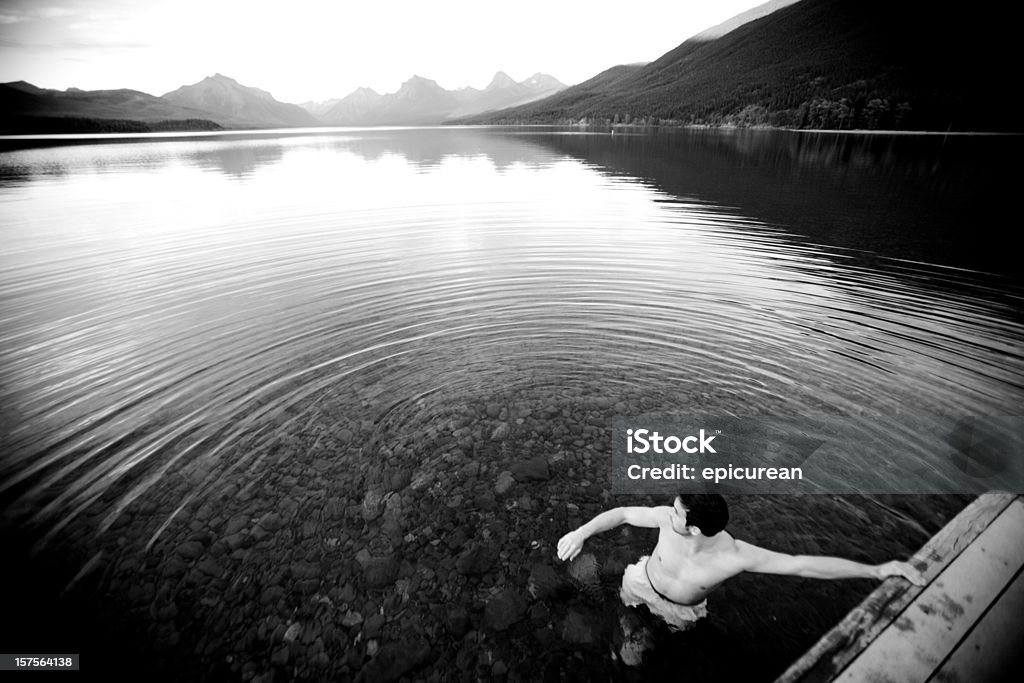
458, 621
174, 567
167, 613
395, 660
293, 633
334, 509
485, 501
505, 609
422, 481
501, 432
271, 594
271, 522
211, 567
280, 656
380, 572
504, 483
372, 505
373, 624
400, 479
534, 469
475, 561
579, 628
190, 550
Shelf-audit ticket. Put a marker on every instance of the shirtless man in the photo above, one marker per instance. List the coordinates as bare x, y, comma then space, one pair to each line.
695, 555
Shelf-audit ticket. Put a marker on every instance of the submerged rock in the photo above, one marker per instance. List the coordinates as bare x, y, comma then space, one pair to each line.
505, 609
394, 660
534, 469
504, 483
579, 628
190, 550
334, 509
380, 571
293, 633
544, 583
585, 573
458, 621
475, 561
373, 505
271, 522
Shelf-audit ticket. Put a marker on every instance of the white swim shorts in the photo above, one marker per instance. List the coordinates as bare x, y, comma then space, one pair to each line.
637, 589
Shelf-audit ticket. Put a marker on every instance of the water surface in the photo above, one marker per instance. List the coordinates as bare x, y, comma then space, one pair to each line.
204, 327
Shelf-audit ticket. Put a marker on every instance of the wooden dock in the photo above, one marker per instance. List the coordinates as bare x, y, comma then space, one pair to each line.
965, 626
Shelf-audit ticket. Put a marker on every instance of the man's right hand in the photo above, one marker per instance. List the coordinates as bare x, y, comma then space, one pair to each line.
570, 545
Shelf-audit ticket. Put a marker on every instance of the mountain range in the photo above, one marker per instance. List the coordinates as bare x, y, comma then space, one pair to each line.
222, 102
840, 64
24, 108
421, 101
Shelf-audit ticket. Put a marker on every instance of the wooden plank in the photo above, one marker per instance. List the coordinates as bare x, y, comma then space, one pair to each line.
992, 650
932, 625
837, 648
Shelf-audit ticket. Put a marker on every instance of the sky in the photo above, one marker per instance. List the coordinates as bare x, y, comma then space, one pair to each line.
301, 50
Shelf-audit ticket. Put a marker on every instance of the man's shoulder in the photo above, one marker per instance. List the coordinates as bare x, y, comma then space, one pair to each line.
731, 550
741, 548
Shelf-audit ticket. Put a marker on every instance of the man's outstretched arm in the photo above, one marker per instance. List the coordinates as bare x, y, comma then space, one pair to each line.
570, 545
755, 559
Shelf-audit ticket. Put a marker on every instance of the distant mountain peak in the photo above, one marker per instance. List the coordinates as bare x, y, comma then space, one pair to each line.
23, 86
227, 97
500, 80
418, 86
542, 81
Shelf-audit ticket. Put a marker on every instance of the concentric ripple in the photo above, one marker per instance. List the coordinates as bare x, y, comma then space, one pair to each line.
180, 301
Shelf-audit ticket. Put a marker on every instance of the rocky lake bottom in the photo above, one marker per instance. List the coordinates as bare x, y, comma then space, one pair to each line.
423, 548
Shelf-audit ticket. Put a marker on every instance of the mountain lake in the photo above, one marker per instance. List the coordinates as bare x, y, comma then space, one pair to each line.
309, 403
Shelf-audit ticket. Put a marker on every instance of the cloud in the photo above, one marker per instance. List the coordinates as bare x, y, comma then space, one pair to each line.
54, 12
16, 15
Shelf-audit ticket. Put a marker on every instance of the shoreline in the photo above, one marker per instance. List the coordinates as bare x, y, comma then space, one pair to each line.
592, 127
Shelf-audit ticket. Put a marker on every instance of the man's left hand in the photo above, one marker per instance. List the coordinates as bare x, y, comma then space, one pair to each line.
903, 569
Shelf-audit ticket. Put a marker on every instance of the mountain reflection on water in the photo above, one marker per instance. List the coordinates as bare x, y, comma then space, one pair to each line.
276, 379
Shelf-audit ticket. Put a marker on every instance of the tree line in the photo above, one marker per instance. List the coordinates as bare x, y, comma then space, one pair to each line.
47, 125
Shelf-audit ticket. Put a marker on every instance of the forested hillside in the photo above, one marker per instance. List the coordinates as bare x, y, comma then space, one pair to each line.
842, 64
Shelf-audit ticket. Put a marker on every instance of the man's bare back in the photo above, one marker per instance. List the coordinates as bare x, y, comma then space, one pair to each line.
684, 572
687, 565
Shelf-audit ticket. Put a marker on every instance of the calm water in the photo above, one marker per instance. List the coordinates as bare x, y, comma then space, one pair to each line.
183, 315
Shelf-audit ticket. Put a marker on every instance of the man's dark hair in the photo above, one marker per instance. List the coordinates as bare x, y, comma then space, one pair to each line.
706, 511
